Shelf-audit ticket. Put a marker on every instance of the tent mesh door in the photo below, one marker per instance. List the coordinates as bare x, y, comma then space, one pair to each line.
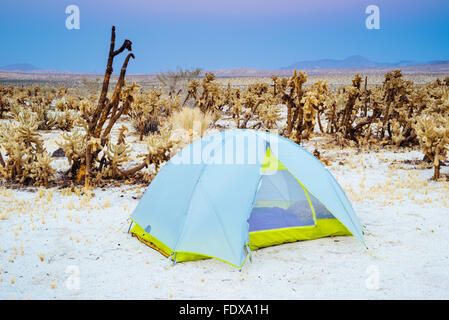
281, 202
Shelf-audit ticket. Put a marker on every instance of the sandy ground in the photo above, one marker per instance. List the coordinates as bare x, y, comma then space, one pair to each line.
56, 244
59, 245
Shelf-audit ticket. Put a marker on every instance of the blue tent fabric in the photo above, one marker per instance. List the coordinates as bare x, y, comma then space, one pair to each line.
202, 198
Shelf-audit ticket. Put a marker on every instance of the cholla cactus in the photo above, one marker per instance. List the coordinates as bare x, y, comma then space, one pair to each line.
64, 120
291, 92
26, 131
4, 105
396, 92
356, 114
116, 156
40, 170
313, 103
353, 110
97, 120
74, 145
304, 106
310, 105
150, 109
269, 114
47, 116
256, 107
321, 91
433, 135
206, 95
27, 161
62, 92
145, 110
160, 149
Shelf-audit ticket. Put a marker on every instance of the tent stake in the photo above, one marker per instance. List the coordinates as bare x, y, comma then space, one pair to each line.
130, 226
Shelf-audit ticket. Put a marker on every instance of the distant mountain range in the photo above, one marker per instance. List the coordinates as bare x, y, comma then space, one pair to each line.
353, 64
350, 62
27, 68
19, 67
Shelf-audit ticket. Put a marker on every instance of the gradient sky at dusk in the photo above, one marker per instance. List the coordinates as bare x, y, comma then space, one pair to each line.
220, 34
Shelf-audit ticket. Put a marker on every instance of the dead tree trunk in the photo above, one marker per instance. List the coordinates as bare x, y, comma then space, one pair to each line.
107, 109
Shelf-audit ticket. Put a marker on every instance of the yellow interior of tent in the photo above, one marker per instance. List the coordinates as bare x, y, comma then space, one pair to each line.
262, 238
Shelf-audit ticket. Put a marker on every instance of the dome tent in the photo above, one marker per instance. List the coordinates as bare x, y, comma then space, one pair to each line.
240, 190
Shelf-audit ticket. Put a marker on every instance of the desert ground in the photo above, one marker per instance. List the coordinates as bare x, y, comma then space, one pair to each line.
62, 243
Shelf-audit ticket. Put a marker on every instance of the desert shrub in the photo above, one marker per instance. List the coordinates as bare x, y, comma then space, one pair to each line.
385, 114
74, 146
206, 94
188, 125
4, 105
98, 120
51, 113
433, 135
291, 92
91, 153
353, 111
305, 105
397, 113
397, 92
150, 108
432, 127
181, 128
116, 156
160, 149
256, 107
27, 161
174, 81
313, 104
145, 111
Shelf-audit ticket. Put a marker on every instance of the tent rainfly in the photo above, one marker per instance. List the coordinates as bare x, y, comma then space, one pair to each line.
240, 190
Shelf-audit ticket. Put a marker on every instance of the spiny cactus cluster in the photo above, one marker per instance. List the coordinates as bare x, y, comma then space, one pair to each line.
291, 92
88, 124
432, 130
149, 108
49, 105
397, 112
256, 107
27, 160
5, 102
384, 114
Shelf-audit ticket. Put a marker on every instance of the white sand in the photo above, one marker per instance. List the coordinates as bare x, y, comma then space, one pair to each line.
407, 230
